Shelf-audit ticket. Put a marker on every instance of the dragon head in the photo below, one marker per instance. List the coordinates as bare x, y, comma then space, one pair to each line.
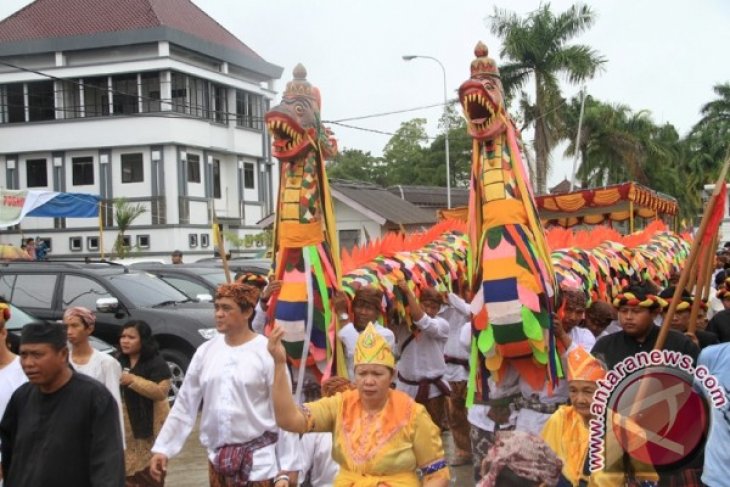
482, 97
294, 123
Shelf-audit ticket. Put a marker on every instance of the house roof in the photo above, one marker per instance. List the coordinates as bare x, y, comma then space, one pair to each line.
562, 187
380, 204
57, 25
431, 196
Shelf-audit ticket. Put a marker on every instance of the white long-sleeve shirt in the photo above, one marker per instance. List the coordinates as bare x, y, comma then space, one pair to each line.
423, 357
234, 384
316, 452
107, 370
348, 335
456, 313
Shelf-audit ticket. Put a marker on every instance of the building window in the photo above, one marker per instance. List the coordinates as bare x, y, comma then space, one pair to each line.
124, 94
220, 104
132, 168
192, 239
151, 92
349, 238
126, 241
41, 101
71, 92
92, 243
96, 96
143, 241
248, 175
37, 173
249, 110
204, 240
75, 244
216, 178
83, 170
193, 168
13, 98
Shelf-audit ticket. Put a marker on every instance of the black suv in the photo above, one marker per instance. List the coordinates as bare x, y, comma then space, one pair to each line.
118, 294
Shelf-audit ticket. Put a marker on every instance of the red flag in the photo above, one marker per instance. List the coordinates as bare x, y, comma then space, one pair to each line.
718, 211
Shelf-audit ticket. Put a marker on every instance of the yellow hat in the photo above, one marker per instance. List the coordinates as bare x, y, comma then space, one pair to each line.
371, 348
584, 366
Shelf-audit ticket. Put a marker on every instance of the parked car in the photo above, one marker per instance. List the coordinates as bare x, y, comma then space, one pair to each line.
118, 294
196, 282
238, 264
19, 318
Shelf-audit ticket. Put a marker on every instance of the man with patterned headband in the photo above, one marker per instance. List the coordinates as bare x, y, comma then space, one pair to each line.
681, 318
231, 377
380, 435
367, 306
637, 310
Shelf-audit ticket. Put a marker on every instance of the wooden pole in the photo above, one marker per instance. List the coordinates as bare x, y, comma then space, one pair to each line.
707, 262
218, 235
692, 258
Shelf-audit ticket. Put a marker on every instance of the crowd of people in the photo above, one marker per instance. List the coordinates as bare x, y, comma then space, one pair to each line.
76, 416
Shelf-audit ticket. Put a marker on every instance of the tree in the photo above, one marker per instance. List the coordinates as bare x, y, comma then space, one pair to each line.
460, 149
536, 47
124, 215
709, 140
405, 152
356, 165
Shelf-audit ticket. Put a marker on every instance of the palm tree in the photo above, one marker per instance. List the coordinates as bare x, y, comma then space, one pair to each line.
124, 215
709, 140
536, 47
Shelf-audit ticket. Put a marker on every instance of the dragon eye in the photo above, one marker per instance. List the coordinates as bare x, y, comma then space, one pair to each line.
299, 109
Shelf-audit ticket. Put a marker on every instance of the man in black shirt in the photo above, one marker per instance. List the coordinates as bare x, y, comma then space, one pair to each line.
681, 318
720, 323
637, 309
61, 428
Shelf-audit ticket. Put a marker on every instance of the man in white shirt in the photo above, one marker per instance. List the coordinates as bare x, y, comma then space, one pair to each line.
231, 375
421, 367
456, 312
367, 306
85, 359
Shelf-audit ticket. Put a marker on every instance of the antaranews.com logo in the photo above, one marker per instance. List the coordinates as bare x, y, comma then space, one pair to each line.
649, 407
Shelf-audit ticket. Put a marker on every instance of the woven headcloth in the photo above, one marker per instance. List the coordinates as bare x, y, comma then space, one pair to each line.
87, 317
431, 294
251, 278
245, 295
686, 298
573, 298
369, 295
649, 301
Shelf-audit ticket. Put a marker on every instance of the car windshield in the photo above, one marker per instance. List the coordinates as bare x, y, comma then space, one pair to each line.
215, 278
145, 290
18, 318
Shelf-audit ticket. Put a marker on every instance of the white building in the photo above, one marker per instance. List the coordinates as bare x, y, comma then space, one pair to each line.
153, 101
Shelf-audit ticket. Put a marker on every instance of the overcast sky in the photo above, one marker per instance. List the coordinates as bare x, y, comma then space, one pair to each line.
663, 56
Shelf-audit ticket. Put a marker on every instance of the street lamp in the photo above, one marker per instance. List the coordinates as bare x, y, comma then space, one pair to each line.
446, 101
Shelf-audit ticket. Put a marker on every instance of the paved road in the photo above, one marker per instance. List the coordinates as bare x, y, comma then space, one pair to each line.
190, 468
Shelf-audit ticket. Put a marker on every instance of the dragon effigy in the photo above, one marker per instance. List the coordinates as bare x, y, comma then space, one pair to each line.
510, 269
305, 236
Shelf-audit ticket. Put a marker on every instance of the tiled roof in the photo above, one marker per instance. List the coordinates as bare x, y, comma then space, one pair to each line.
431, 196
52, 19
384, 203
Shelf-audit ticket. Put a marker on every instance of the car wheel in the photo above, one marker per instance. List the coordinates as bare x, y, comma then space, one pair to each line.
178, 363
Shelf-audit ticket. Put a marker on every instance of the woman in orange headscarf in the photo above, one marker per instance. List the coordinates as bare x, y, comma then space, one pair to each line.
567, 432
381, 437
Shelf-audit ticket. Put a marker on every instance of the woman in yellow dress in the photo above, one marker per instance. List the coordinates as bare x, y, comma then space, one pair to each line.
381, 437
567, 433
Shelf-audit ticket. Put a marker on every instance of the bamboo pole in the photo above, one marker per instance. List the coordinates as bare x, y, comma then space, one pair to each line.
702, 284
692, 258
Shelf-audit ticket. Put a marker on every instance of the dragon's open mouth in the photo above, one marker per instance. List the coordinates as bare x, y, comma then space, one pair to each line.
479, 110
285, 136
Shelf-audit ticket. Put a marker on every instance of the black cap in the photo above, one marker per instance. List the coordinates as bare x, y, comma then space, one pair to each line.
42, 332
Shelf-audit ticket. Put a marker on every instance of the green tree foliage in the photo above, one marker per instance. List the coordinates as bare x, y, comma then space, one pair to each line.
125, 213
356, 165
406, 153
536, 47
